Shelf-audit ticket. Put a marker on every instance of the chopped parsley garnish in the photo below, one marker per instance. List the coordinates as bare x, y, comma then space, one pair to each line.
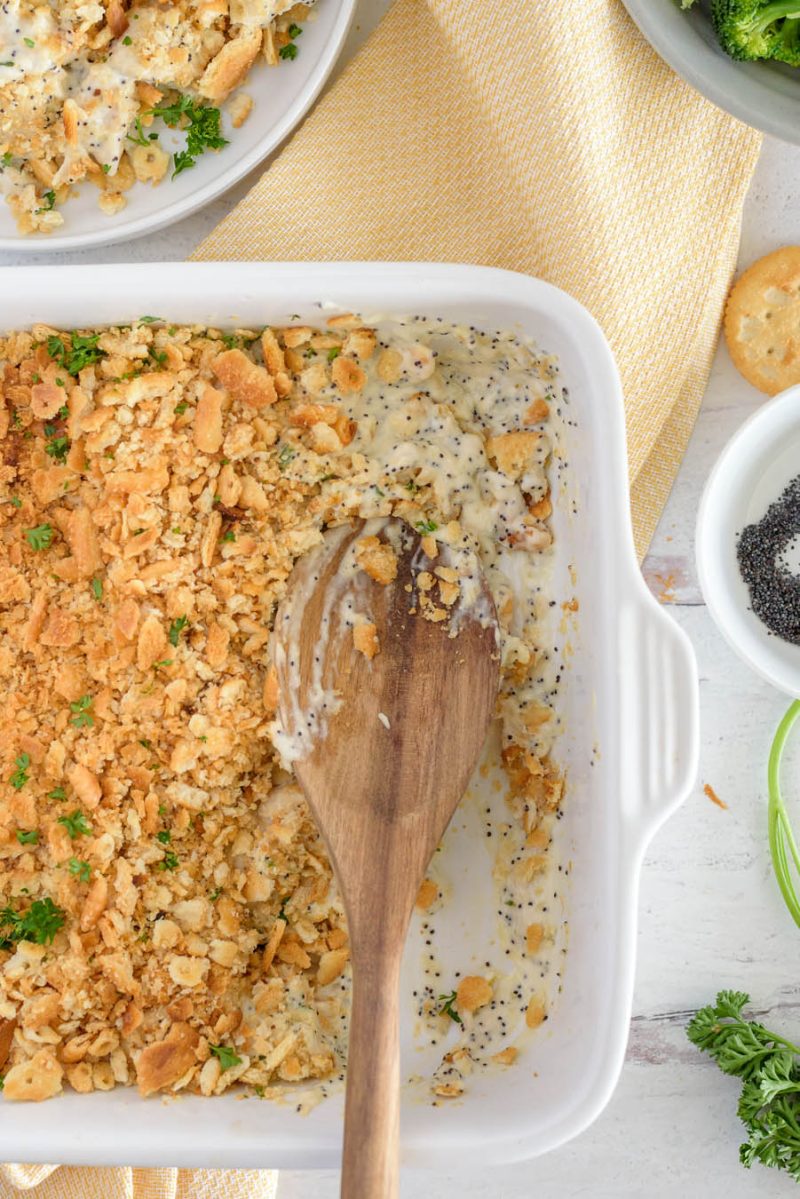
84, 352
163, 662
82, 870
158, 356
106, 167
76, 824
180, 408
28, 837
48, 202
412, 486
57, 793
97, 589
229, 536
16, 501
149, 320
289, 51
127, 41
58, 448
227, 1056
40, 537
141, 138
147, 745
294, 31
282, 909
176, 628
165, 836
334, 352
287, 453
39, 924
447, 1008
168, 862
29, 42
20, 776
202, 133
8, 155
81, 714
215, 894
426, 526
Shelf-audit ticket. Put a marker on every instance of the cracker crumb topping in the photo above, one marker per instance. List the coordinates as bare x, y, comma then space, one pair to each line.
149, 521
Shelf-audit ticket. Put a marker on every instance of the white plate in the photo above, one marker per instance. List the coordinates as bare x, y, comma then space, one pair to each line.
763, 94
761, 458
629, 702
282, 95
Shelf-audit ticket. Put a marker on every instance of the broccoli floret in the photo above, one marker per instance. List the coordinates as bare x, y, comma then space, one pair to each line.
750, 29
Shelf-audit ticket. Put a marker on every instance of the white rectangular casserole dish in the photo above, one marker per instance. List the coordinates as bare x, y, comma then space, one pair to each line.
630, 708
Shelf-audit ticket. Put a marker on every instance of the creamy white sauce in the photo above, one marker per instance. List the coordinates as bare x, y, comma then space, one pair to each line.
459, 387
30, 42
258, 13
108, 104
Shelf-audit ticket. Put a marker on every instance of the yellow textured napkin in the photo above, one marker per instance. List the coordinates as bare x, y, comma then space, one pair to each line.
72, 1182
541, 136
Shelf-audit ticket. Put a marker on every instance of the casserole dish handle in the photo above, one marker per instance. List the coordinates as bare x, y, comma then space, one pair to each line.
659, 704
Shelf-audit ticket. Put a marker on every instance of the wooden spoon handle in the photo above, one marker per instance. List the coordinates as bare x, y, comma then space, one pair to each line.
370, 1168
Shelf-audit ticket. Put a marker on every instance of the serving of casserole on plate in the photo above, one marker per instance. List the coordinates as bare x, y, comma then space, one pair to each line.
169, 914
146, 109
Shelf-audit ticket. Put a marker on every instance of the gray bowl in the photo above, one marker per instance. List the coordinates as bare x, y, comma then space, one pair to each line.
765, 95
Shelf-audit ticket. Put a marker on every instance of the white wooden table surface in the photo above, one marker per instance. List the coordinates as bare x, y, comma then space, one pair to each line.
710, 913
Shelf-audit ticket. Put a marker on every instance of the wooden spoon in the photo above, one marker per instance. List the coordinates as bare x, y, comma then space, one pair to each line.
383, 749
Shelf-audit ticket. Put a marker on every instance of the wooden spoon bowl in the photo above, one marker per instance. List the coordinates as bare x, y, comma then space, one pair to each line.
383, 748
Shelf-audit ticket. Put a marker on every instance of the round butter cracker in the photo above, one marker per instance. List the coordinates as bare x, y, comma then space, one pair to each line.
762, 321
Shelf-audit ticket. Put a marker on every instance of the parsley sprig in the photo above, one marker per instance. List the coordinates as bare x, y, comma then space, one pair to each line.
448, 1008
83, 351
20, 776
76, 824
202, 124
227, 1056
769, 1104
57, 448
176, 628
40, 537
290, 50
81, 870
81, 712
39, 923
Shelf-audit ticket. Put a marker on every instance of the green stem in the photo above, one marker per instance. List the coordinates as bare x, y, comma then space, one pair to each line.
775, 12
780, 829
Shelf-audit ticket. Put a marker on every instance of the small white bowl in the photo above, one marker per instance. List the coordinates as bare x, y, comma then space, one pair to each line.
282, 95
753, 470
